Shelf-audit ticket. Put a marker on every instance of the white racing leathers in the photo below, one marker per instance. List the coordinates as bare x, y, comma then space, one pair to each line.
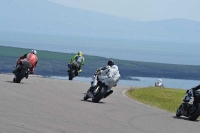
109, 77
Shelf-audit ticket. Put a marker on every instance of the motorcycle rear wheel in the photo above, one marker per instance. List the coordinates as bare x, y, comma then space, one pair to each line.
20, 75
71, 74
194, 112
99, 95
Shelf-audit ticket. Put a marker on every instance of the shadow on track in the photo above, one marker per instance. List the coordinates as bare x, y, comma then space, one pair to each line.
14, 82
90, 101
184, 118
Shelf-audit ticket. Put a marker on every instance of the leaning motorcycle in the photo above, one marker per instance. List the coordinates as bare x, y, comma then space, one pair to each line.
190, 106
22, 72
73, 70
99, 92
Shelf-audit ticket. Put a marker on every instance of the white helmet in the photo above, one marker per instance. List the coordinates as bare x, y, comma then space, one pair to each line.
114, 67
34, 51
160, 80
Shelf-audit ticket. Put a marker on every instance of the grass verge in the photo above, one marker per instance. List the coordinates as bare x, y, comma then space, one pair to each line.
168, 99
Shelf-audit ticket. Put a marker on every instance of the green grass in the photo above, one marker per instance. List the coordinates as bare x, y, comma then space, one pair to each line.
164, 98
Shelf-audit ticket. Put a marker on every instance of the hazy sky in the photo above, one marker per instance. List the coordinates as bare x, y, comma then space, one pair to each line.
143, 10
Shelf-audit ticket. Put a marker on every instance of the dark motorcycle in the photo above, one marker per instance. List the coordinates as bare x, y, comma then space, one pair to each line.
22, 72
190, 107
73, 72
99, 92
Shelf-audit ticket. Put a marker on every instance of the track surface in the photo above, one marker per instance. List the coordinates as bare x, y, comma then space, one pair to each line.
42, 105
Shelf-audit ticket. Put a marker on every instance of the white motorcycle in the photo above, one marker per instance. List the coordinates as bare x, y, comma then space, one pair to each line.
101, 87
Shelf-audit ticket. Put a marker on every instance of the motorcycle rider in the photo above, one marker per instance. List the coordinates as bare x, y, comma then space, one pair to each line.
190, 92
79, 60
29, 59
108, 75
195, 88
159, 83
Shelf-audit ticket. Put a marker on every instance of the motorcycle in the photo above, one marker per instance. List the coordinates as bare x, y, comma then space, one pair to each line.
190, 107
158, 85
22, 72
73, 72
97, 93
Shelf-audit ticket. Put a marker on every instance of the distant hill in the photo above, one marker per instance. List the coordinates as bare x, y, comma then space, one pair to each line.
55, 64
43, 16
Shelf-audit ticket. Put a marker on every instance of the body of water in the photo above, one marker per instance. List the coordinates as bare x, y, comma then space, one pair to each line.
125, 49
146, 81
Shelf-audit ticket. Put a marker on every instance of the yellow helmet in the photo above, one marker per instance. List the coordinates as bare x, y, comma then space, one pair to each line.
79, 53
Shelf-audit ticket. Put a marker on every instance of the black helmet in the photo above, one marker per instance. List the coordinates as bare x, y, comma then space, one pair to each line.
110, 63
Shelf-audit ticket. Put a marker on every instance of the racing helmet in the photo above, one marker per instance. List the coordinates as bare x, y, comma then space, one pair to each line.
34, 52
79, 53
110, 63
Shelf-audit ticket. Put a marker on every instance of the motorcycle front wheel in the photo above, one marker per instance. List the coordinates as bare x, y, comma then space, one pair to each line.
99, 95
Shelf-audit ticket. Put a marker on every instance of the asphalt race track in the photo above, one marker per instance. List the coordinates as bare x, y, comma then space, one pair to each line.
42, 105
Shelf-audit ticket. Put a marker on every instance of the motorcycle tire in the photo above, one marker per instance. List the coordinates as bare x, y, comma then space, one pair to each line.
194, 112
99, 95
178, 112
20, 76
71, 74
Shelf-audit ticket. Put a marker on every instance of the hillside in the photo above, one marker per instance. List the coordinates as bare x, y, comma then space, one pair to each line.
55, 64
43, 16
